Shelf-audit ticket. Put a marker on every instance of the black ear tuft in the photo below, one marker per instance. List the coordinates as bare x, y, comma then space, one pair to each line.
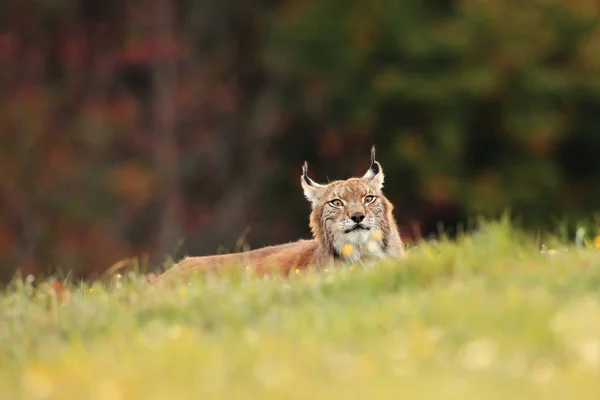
375, 172
374, 164
305, 174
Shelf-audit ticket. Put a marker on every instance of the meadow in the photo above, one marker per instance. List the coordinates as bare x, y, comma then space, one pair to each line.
488, 316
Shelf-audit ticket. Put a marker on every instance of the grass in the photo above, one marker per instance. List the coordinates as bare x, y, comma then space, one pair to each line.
486, 317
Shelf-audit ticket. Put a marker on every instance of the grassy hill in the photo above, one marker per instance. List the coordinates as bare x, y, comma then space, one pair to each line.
486, 317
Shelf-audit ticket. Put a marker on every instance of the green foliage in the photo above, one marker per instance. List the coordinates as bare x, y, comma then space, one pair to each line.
487, 106
485, 317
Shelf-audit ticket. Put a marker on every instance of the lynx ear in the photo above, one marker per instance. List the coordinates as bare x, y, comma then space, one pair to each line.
375, 172
312, 190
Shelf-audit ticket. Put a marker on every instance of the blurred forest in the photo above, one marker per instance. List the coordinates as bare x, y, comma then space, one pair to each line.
155, 128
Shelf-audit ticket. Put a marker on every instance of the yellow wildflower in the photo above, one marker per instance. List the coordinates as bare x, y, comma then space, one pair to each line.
597, 242
347, 249
376, 235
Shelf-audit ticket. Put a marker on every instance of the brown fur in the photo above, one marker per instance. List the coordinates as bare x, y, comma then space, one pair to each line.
333, 207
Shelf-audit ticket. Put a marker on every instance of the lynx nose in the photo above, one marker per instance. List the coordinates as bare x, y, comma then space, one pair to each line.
357, 217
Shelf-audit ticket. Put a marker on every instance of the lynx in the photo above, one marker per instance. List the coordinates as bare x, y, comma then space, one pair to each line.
351, 223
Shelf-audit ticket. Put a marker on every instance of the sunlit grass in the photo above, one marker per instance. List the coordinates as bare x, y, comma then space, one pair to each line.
487, 317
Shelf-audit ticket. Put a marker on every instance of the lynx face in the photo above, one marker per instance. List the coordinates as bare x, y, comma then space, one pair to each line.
352, 218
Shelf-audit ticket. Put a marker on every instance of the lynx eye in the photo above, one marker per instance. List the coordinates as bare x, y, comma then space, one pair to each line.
369, 199
337, 203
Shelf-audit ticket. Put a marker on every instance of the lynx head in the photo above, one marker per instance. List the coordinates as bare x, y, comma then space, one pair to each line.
352, 219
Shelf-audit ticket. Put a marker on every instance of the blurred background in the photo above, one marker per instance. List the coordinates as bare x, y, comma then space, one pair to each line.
160, 128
